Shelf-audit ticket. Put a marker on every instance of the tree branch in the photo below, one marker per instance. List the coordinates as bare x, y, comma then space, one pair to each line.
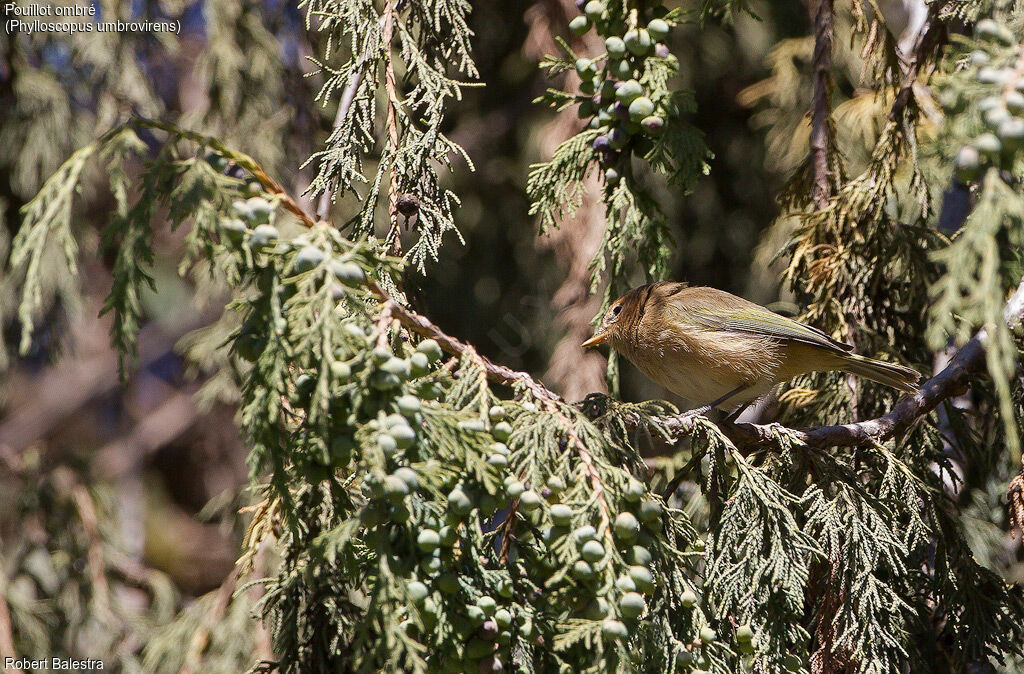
323, 208
821, 108
391, 91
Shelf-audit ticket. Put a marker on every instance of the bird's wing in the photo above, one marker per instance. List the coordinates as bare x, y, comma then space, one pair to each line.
754, 319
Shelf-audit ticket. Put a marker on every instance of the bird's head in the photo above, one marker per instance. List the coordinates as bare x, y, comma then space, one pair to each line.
622, 316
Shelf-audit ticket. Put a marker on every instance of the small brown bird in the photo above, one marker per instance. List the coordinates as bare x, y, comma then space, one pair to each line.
719, 350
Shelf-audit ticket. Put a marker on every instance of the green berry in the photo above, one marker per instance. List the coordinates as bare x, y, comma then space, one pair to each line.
497, 460
652, 125
217, 161
1015, 102
632, 605
611, 176
988, 144
431, 349
792, 663
1011, 133
584, 534
585, 67
418, 592
341, 371
980, 58
643, 578
708, 635
514, 489
459, 502
987, 75
476, 615
622, 69
263, 236
627, 527
503, 618
744, 633
625, 584
640, 108
387, 444
996, 116
638, 42
259, 210
404, 436
408, 405
556, 484
650, 511
561, 515
233, 228
487, 604
496, 413
398, 367
419, 364
579, 25
428, 540
348, 273
634, 490
500, 448
395, 489
615, 46
628, 92
502, 431
449, 536
640, 556
592, 551
594, 9
581, 570
448, 584
658, 29
529, 501
613, 630
408, 476
308, 258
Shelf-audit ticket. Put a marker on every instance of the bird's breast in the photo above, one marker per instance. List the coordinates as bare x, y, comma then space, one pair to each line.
703, 365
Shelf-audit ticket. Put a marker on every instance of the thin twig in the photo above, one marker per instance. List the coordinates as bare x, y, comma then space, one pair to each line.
348, 95
392, 123
821, 106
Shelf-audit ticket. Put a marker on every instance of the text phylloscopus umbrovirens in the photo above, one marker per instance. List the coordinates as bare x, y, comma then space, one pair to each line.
719, 350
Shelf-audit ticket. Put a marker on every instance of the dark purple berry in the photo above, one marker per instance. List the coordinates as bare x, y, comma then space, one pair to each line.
621, 110
661, 50
601, 144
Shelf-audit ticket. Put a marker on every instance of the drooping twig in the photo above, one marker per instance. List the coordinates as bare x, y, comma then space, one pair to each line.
821, 106
391, 91
348, 95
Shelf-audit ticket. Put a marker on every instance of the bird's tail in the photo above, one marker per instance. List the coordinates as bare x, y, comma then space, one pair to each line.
890, 374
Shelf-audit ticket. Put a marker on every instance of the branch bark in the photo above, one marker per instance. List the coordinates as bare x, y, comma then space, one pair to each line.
391, 90
821, 107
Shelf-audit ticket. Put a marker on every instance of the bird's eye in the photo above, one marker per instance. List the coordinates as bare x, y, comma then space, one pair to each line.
616, 310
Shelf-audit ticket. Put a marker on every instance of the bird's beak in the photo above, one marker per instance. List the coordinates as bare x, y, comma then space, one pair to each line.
599, 338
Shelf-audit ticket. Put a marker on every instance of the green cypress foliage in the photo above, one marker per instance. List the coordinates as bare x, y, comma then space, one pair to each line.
434, 511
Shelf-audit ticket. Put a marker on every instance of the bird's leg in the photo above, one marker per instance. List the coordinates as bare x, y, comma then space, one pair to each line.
677, 479
704, 409
735, 414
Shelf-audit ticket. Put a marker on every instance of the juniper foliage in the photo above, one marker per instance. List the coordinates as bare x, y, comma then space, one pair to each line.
436, 513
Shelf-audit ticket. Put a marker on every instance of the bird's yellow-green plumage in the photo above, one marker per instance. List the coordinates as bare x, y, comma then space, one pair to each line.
702, 344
